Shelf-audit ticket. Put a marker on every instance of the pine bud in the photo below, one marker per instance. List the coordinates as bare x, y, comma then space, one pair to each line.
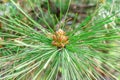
59, 39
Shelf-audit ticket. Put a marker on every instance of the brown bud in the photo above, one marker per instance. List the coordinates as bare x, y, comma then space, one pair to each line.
54, 37
60, 32
59, 39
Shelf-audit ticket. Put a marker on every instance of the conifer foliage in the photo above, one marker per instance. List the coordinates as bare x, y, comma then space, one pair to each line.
38, 43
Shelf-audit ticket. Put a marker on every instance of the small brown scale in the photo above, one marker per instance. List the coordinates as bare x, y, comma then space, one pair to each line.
60, 39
